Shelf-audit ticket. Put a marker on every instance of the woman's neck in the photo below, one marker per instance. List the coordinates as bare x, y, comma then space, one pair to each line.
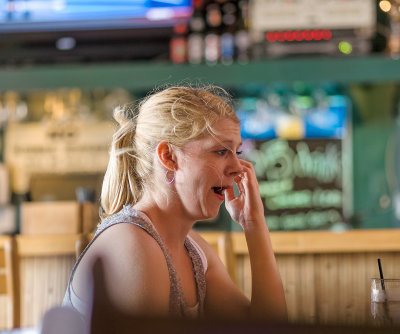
168, 219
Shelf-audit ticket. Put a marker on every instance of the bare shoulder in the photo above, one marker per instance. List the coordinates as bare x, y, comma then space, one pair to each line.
136, 273
130, 239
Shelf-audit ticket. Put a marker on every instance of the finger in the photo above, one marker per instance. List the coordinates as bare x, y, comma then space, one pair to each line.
249, 184
249, 171
229, 194
246, 163
239, 182
248, 167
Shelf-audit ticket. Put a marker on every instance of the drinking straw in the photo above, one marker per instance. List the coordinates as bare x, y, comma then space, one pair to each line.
381, 274
385, 305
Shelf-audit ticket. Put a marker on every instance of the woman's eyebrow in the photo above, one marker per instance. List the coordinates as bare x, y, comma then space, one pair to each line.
229, 144
228, 141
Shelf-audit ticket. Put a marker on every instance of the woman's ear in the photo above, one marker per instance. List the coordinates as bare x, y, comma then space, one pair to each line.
166, 155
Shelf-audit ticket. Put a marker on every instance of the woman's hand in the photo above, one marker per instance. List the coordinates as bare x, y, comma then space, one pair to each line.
267, 296
247, 208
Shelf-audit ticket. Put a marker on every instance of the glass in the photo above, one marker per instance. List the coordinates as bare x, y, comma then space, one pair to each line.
385, 301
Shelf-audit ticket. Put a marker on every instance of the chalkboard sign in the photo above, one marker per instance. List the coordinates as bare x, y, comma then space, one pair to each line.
300, 181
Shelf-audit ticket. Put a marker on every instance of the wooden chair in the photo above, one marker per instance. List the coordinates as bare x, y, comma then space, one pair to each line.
44, 264
9, 301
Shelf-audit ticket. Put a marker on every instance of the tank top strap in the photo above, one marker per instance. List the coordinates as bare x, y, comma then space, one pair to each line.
199, 272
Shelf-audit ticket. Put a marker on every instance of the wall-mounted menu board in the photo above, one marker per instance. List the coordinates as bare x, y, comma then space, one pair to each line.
300, 181
297, 138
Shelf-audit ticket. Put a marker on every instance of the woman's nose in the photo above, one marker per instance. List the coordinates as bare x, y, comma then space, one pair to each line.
235, 167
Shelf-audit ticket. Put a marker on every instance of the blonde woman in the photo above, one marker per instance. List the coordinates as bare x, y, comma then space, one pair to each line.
172, 163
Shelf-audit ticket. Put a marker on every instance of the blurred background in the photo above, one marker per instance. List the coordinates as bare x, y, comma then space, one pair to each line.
316, 85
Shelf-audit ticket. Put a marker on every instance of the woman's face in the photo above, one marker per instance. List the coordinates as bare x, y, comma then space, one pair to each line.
206, 167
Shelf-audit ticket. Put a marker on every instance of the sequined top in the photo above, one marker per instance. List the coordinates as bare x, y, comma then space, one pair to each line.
177, 302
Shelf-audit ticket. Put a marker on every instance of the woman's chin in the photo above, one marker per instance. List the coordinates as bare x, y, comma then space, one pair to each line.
211, 215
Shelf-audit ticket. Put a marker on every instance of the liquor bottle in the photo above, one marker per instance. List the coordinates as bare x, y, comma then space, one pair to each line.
242, 37
229, 19
178, 44
196, 34
212, 39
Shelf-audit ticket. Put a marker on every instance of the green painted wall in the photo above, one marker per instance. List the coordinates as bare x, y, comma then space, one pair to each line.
375, 171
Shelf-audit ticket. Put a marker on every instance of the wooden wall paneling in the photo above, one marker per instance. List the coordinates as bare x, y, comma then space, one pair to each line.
26, 289
288, 268
306, 302
327, 288
358, 291
45, 263
9, 307
346, 288
225, 245
43, 284
243, 274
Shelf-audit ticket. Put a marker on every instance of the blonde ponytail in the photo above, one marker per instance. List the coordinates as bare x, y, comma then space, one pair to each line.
121, 184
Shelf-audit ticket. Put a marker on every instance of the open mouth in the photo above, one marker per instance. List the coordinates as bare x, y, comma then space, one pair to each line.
219, 190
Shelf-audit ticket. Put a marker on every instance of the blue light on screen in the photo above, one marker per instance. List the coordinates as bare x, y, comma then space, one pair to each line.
20, 15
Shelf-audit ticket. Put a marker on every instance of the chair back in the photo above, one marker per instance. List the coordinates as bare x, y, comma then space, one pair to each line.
44, 263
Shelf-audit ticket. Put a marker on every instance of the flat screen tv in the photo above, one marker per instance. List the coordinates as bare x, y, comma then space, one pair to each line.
31, 30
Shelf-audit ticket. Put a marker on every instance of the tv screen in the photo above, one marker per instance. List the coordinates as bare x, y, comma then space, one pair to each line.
71, 31
65, 15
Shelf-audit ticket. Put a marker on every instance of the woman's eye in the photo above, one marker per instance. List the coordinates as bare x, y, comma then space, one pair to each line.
221, 152
239, 152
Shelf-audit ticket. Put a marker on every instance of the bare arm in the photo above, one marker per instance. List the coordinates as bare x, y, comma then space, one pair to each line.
136, 273
268, 298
